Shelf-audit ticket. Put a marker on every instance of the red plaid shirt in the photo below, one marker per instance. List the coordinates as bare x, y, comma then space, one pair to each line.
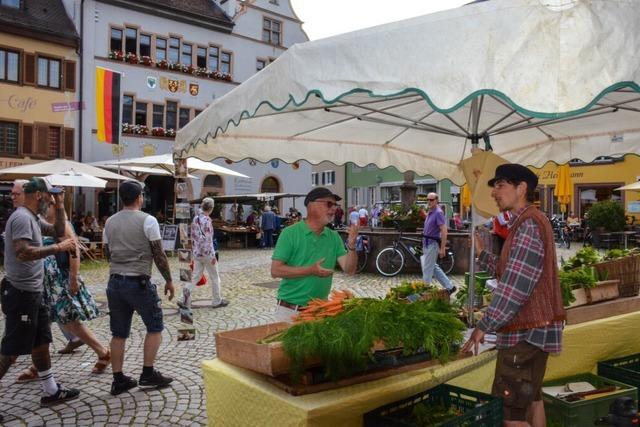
522, 272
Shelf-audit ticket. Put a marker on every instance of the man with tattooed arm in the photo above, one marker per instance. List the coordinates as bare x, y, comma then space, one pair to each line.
132, 242
27, 327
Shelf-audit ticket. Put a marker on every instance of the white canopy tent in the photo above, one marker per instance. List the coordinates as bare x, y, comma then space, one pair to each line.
164, 162
531, 80
55, 167
72, 178
540, 81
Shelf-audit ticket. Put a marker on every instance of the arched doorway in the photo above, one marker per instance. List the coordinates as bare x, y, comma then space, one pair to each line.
212, 185
159, 196
271, 185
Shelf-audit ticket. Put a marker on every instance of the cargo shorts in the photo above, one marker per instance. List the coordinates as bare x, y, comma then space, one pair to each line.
518, 380
127, 294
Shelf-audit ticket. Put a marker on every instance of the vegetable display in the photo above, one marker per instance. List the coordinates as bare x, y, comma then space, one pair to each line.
344, 343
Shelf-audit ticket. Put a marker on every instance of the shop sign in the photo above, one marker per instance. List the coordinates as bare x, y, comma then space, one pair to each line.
58, 107
633, 207
20, 104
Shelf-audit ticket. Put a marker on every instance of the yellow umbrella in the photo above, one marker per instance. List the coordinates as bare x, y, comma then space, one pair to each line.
564, 187
465, 198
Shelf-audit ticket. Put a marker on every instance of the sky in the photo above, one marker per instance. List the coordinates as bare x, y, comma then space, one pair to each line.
324, 18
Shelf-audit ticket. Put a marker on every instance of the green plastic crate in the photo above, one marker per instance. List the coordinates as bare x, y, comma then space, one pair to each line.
583, 412
478, 409
625, 369
481, 278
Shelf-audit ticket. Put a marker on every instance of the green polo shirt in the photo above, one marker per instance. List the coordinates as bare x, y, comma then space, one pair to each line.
299, 246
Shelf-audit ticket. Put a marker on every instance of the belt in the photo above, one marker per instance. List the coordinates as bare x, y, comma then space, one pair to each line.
126, 276
294, 307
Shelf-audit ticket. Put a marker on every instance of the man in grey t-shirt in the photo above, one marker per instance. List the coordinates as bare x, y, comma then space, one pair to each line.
27, 327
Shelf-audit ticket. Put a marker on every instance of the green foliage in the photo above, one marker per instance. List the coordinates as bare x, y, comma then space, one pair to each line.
583, 277
586, 256
407, 288
344, 343
615, 253
606, 214
396, 213
424, 414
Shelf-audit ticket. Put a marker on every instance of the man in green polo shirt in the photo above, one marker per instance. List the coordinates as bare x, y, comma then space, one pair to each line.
307, 252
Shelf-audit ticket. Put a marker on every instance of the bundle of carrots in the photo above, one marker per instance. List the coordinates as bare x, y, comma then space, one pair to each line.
319, 308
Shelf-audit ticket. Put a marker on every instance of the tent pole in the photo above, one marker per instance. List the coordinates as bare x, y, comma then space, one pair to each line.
472, 271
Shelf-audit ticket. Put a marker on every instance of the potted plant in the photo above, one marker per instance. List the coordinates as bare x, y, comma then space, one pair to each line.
162, 64
131, 58
146, 60
605, 216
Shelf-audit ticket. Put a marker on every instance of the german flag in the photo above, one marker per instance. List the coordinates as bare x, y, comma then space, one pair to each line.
108, 105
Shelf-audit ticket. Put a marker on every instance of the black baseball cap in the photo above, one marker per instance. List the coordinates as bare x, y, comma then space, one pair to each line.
514, 173
41, 184
130, 190
318, 193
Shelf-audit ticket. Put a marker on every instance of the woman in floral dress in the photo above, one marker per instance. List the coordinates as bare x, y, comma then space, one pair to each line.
70, 301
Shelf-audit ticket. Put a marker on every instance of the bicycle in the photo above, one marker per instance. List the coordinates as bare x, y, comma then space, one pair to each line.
561, 232
391, 260
363, 248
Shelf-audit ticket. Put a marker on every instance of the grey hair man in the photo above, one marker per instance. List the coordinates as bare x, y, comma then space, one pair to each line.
204, 256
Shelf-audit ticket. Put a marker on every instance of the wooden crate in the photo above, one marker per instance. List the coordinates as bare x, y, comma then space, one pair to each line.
603, 291
240, 348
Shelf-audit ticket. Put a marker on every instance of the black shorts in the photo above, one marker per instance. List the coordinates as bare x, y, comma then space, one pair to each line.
519, 373
27, 323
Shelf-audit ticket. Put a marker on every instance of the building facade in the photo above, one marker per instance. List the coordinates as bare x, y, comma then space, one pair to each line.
175, 57
39, 108
369, 185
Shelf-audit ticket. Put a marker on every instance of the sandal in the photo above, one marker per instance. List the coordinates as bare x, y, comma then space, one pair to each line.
102, 363
27, 375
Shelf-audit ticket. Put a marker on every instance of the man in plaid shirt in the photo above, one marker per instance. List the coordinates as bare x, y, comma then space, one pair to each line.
526, 310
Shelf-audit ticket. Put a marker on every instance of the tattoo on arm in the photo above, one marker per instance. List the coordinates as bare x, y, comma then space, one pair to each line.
47, 229
160, 258
24, 252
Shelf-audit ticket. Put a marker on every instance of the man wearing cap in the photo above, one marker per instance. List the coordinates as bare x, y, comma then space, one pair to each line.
526, 311
306, 255
132, 242
27, 327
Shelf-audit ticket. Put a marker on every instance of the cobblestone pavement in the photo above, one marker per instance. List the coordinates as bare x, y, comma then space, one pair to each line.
184, 402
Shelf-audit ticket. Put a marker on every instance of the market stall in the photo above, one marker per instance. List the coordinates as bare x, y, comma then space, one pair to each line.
497, 76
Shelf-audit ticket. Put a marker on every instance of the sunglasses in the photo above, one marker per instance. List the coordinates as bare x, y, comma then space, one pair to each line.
328, 203
432, 200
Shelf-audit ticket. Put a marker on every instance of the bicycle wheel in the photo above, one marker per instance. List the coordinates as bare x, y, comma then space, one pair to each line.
362, 260
446, 263
389, 261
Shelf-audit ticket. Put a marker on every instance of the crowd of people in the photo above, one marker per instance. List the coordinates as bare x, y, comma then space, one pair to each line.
42, 284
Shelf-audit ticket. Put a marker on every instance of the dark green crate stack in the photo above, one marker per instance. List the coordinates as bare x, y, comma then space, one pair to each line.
624, 369
478, 409
583, 412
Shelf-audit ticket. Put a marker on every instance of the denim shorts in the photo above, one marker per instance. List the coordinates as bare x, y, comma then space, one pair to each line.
125, 295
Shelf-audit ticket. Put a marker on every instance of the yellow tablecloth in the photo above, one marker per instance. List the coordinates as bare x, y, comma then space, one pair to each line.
584, 345
238, 397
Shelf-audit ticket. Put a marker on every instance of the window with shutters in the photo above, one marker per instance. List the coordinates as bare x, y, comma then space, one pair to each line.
67, 151
158, 116
29, 77
9, 66
70, 76
54, 142
41, 146
225, 62
131, 41
27, 140
172, 115
314, 179
8, 138
271, 31
48, 72
116, 39
184, 117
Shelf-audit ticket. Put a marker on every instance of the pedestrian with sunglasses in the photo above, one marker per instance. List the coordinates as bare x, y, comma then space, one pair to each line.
434, 241
306, 255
